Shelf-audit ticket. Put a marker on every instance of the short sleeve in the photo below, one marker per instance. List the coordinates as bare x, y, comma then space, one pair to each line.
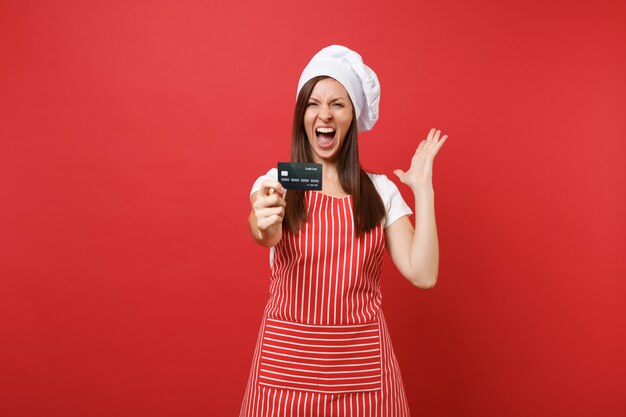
395, 206
272, 174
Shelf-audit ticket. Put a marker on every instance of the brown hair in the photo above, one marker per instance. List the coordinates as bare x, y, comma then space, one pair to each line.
367, 209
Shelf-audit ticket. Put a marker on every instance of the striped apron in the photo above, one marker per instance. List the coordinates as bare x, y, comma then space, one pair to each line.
324, 348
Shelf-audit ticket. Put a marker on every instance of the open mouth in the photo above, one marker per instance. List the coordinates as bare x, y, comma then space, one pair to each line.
325, 136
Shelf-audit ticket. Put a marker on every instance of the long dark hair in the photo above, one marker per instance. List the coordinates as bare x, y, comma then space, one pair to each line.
367, 209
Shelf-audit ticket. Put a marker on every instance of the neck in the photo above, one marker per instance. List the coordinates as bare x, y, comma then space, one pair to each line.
329, 169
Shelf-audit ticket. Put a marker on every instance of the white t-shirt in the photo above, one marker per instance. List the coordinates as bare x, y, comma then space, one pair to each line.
395, 206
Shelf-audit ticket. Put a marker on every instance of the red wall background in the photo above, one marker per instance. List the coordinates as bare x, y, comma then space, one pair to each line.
132, 131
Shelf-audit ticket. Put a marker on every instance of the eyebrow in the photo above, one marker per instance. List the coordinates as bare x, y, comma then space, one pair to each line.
332, 101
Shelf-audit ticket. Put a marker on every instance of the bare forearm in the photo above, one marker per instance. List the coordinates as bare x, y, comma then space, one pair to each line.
424, 248
421, 264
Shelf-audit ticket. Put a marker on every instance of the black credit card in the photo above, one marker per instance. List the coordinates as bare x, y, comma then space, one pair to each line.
300, 176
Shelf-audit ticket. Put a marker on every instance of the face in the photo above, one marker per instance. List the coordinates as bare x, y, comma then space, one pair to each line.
327, 119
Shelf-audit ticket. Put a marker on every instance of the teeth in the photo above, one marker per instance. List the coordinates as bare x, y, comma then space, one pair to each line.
325, 130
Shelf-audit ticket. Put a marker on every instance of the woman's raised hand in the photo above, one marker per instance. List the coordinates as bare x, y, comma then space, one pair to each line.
420, 172
269, 208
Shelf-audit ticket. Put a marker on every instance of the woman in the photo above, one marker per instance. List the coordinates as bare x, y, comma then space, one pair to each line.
323, 347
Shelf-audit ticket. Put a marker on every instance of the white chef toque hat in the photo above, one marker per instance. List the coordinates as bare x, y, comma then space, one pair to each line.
361, 83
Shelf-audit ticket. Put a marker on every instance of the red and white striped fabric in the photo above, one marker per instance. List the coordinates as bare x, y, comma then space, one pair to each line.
324, 347
325, 359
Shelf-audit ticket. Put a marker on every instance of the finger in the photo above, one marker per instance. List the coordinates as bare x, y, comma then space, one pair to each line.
268, 185
277, 199
436, 136
267, 222
420, 146
267, 212
437, 146
443, 139
273, 200
399, 173
431, 133
270, 219
280, 194
274, 211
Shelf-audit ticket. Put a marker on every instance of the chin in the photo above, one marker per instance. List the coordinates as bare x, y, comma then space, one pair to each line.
327, 157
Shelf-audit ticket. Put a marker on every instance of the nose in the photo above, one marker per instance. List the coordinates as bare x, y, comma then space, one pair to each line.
325, 113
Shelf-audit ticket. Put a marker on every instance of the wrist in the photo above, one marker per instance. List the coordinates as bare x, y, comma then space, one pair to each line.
420, 189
